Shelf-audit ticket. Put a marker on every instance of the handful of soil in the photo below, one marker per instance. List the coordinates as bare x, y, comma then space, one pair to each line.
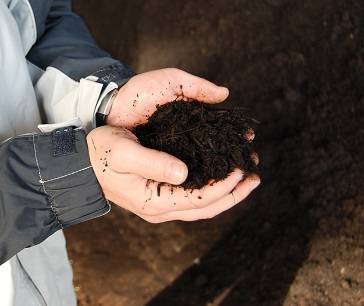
211, 142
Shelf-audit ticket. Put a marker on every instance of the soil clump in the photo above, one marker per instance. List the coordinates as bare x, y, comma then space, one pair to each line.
212, 142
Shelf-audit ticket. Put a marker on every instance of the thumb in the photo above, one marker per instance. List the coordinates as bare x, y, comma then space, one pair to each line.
148, 163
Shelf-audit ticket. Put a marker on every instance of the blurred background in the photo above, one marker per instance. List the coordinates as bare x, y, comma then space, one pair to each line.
298, 67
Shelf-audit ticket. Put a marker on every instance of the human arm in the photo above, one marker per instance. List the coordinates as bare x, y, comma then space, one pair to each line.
46, 184
182, 85
77, 73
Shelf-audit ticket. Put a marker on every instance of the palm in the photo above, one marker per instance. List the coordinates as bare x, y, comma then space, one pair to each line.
139, 97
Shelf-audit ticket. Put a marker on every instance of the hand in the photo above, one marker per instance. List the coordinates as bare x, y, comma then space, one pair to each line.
139, 97
129, 179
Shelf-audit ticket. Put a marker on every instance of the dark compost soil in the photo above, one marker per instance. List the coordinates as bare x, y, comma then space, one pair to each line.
211, 142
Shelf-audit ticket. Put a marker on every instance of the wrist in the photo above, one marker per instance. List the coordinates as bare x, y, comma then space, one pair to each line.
105, 107
111, 77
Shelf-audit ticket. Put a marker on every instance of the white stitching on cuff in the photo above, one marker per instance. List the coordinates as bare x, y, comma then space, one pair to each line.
42, 182
62, 176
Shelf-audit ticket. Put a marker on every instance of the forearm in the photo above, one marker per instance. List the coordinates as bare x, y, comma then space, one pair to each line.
65, 43
47, 183
77, 73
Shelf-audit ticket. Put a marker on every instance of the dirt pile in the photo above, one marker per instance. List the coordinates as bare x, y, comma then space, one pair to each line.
211, 142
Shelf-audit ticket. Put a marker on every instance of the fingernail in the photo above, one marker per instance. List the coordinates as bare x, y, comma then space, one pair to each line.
226, 90
176, 173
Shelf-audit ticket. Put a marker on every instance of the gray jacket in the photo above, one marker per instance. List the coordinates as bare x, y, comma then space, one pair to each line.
73, 77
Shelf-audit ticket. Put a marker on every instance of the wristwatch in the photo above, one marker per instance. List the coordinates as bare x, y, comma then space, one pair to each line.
105, 107
116, 73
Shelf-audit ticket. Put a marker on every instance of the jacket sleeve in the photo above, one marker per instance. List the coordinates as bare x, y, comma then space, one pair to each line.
46, 184
78, 74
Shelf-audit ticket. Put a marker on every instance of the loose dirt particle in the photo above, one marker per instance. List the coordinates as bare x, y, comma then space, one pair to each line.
159, 189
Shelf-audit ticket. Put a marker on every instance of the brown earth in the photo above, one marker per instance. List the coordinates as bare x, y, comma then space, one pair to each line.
299, 239
201, 136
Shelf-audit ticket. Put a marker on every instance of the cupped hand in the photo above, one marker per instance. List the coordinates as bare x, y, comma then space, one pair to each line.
129, 175
139, 97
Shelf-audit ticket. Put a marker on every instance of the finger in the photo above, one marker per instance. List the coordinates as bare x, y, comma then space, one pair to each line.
197, 88
242, 190
249, 135
166, 198
255, 158
131, 157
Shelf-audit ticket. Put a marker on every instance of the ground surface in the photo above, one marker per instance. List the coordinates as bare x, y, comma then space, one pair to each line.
299, 240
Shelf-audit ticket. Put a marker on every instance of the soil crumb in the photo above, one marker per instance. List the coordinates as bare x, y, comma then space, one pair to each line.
210, 141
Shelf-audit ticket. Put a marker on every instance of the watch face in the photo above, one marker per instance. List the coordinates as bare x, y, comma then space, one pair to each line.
100, 119
106, 103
